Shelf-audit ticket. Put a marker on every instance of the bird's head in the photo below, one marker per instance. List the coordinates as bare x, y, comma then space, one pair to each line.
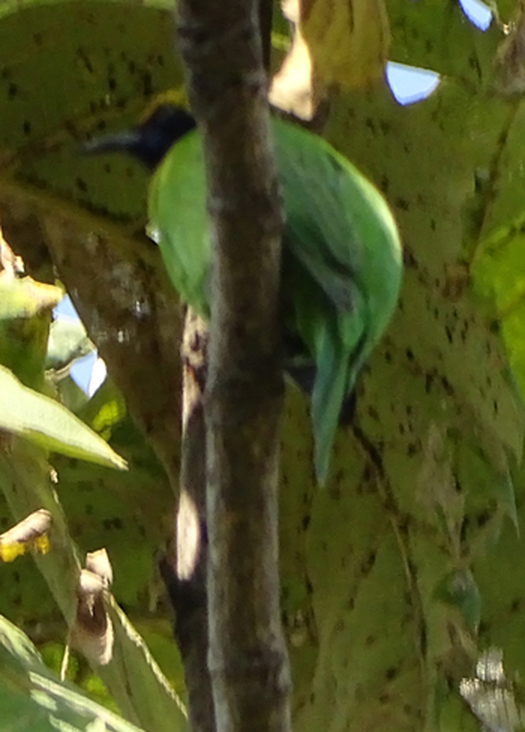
149, 140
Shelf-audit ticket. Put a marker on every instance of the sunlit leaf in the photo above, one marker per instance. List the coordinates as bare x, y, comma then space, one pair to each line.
33, 699
23, 297
27, 413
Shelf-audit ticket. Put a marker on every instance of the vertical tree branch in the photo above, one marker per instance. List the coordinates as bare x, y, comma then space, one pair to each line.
227, 87
185, 573
265, 24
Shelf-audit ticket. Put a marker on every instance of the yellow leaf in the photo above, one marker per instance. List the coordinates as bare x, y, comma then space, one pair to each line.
337, 43
31, 533
348, 40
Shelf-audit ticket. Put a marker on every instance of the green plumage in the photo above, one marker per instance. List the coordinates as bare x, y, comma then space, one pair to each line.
342, 261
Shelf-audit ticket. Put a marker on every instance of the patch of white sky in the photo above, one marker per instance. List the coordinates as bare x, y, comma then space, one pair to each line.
477, 12
409, 85
88, 372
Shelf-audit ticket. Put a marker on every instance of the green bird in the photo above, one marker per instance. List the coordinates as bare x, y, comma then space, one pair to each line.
342, 259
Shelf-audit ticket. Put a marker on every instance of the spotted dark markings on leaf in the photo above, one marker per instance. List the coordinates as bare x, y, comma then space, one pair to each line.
112, 523
515, 605
368, 563
412, 449
384, 185
391, 673
409, 260
373, 413
483, 518
147, 84
402, 204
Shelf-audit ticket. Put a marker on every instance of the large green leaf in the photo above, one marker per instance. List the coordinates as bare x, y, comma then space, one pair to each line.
33, 699
12, 6
360, 562
30, 414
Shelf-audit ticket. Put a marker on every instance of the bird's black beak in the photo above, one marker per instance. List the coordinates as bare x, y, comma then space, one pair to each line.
150, 140
126, 141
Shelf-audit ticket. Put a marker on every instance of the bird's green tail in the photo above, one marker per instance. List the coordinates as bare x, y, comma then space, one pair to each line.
332, 381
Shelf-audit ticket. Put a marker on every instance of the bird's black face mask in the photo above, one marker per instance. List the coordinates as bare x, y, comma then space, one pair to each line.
149, 141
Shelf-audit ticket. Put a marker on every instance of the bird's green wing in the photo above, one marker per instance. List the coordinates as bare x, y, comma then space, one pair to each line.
337, 224
316, 231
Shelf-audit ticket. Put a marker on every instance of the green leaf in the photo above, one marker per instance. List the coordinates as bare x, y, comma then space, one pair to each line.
459, 590
68, 392
30, 414
13, 6
68, 340
452, 713
104, 410
33, 699
132, 678
23, 298
478, 474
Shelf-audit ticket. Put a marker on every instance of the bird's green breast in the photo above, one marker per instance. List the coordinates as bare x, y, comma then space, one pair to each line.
178, 222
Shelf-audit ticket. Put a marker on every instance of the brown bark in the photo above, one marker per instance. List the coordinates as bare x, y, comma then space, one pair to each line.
265, 24
248, 663
185, 572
